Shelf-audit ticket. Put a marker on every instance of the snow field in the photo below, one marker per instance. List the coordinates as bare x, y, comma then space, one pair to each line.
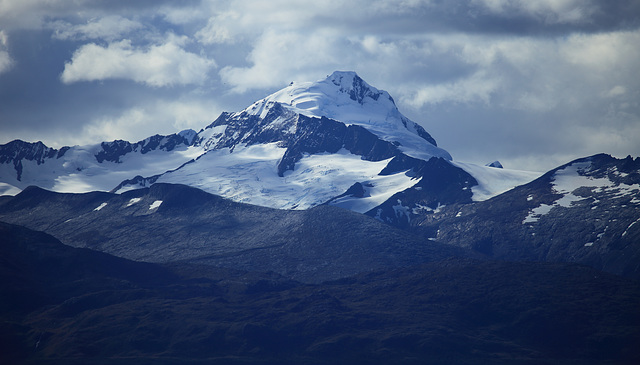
249, 175
494, 181
567, 180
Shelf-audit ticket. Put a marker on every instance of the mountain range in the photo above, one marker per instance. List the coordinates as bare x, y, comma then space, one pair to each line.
338, 141
322, 226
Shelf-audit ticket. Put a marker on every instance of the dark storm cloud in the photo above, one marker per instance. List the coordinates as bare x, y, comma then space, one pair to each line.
503, 17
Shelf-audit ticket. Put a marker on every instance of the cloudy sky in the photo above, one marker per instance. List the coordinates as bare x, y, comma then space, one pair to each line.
530, 83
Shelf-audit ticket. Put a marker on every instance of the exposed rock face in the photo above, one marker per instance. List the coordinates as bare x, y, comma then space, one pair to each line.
300, 135
15, 152
114, 151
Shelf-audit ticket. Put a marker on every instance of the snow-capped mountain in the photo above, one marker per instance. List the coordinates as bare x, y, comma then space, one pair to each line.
339, 141
586, 211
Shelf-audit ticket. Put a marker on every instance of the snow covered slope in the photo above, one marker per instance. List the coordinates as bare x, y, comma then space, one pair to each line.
98, 167
493, 181
338, 141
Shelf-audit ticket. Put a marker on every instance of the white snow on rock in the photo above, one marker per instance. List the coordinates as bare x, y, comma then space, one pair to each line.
626, 231
249, 175
8, 189
155, 204
133, 201
422, 209
99, 207
78, 171
377, 190
567, 180
536, 213
493, 181
401, 210
374, 109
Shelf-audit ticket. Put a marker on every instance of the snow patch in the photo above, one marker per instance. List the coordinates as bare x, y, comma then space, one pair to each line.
536, 213
155, 204
628, 228
400, 211
99, 207
133, 201
493, 181
566, 181
189, 135
420, 209
8, 189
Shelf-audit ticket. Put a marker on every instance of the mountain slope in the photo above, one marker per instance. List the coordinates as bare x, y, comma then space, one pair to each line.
98, 309
586, 211
174, 223
89, 168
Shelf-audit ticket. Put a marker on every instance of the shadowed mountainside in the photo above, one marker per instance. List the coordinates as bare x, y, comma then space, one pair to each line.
453, 311
176, 223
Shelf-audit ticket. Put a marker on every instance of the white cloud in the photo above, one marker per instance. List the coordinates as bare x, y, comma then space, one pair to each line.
547, 11
157, 65
5, 59
602, 52
216, 31
477, 88
535, 74
245, 20
278, 58
159, 117
617, 90
109, 28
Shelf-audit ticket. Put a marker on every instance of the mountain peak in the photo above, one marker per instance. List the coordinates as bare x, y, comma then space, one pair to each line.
345, 97
357, 89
